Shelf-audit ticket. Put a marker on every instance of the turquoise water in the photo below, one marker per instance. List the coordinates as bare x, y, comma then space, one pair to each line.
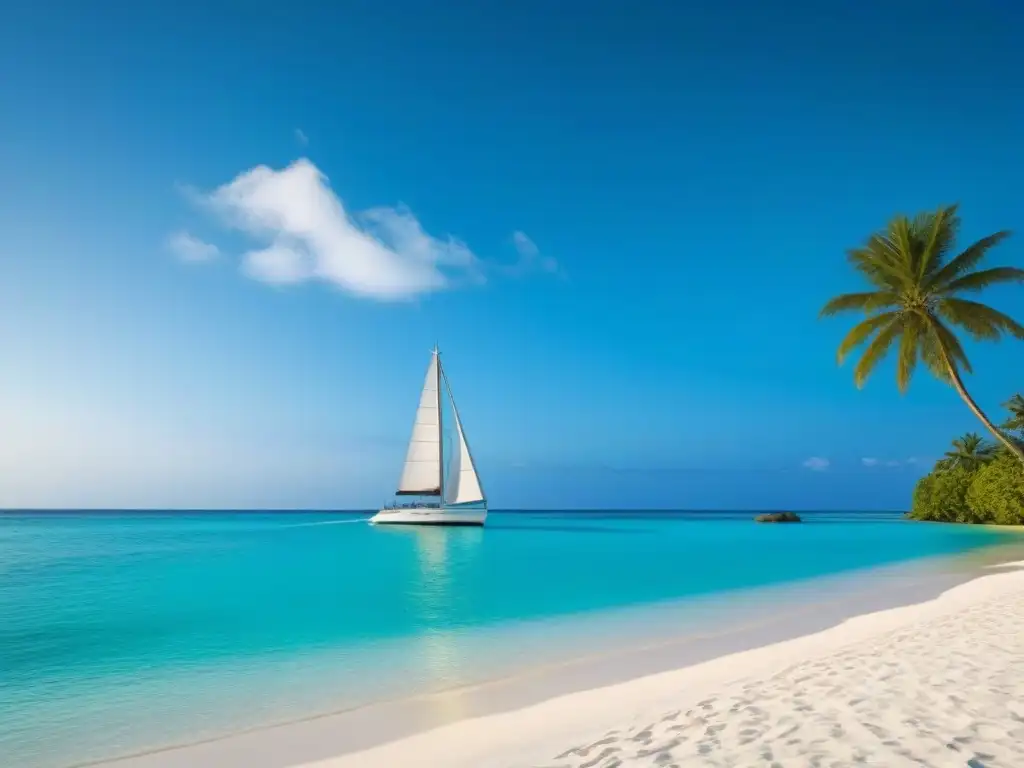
121, 632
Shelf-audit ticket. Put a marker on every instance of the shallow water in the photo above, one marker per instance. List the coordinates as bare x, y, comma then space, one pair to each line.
122, 632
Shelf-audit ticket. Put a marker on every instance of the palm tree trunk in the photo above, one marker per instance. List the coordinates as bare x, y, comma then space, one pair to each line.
958, 383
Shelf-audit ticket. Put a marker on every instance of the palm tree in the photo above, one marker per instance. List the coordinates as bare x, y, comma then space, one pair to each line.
969, 452
1015, 405
915, 301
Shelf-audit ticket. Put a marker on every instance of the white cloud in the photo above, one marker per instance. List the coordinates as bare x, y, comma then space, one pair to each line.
817, 463
278, 265
530, 257
189, 248
383, 253
869, 462
301, 137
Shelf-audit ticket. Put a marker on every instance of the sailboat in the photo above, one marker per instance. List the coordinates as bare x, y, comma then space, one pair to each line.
460, 498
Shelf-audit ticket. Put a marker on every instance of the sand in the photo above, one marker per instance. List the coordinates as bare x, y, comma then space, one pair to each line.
939, 684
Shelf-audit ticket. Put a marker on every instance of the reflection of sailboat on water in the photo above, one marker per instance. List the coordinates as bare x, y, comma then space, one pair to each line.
437, 653
460, 497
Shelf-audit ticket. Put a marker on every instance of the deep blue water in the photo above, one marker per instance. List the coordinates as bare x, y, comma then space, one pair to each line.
122, 630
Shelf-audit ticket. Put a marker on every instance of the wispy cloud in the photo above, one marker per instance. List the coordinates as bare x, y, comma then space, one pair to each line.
382, 254
189, 248
301, 137
817, 463
530, 258
873, 462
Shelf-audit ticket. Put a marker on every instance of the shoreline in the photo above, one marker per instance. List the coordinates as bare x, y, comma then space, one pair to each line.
786, 612
549, 730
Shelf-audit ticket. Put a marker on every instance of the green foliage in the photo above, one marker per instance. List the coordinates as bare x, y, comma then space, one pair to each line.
996, 494
916, 300
942, 497
969, 452
922, 505
1015, 405
976, 482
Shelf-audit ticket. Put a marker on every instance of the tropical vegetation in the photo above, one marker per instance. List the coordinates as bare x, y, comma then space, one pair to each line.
942, 496
976, 482
969, 452
916, 303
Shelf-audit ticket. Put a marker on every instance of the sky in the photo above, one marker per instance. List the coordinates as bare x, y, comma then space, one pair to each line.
232, 233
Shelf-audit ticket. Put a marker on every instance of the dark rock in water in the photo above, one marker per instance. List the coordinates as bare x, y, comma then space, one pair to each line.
779, 517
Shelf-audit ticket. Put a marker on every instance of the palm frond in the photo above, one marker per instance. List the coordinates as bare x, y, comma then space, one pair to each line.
965, 261
980, 320
885, 248
968, 443
865, 302
980, 328
970, 452
938, 344
977, 281
1015, 405
943, 226
902, 235
876, 350
881, 263
906, 357
861, 332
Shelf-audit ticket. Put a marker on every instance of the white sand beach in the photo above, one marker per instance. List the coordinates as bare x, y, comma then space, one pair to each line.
939, 684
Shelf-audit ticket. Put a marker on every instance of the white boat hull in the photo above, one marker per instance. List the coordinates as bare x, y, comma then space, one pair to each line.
430, 516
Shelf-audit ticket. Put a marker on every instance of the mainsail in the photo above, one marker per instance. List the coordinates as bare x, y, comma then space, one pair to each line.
421, 474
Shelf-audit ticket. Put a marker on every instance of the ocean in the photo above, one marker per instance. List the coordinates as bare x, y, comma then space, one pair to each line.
125, 632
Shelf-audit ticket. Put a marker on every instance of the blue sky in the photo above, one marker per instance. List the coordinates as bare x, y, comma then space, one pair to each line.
232, 234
